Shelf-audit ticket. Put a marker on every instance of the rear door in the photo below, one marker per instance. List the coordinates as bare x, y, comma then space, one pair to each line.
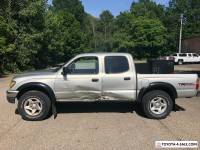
118, 79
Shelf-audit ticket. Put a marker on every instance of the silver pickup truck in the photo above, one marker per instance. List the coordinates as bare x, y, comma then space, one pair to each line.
99, 77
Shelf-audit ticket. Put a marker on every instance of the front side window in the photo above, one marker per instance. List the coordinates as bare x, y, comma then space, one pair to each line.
116, 64
84, 65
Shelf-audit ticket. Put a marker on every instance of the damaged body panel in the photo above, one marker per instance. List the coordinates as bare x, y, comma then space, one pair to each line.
73, 87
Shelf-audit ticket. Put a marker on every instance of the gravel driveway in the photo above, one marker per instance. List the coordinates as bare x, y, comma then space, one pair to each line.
96, 126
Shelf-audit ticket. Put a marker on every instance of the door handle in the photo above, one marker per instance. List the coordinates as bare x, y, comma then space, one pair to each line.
95, 80
127, 78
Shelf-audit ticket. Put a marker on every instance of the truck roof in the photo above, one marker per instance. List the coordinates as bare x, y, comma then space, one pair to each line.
103, 54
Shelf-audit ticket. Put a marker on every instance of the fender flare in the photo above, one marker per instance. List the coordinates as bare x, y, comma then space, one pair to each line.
167, 87
40, 87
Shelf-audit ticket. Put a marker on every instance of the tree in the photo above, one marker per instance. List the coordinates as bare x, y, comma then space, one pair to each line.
143, 37
191, 28
147, 8
34, 35
91, 31
191, 11
105, 29
30, 33
74, 7
6, 43
106, 21
25, 23
63, 39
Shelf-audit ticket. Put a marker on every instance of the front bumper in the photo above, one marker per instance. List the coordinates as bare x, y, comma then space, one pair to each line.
11, 96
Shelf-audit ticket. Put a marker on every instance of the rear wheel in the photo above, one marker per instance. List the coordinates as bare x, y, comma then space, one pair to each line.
34, 105
157, 104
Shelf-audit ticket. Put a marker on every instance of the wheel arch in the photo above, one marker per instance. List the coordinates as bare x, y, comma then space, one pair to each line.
38, 87
167, 87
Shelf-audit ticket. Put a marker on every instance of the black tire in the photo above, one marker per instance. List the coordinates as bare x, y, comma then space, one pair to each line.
42, 98
149, 97
180, 62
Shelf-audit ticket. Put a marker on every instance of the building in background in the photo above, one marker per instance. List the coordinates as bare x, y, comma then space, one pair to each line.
191, 45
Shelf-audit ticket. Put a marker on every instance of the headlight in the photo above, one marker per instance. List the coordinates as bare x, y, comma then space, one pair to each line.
12, 83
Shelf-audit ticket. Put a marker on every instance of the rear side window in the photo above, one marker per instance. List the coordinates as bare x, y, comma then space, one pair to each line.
195, 55
116, 64
182, 55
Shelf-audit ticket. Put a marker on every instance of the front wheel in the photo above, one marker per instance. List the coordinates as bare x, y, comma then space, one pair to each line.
157, 104
34, 105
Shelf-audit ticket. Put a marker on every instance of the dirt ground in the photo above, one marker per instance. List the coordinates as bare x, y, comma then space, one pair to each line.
96, 126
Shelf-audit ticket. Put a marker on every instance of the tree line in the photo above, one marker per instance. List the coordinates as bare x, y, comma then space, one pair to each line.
35, 35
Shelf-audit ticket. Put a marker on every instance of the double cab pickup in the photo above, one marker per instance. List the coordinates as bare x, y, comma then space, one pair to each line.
99, 77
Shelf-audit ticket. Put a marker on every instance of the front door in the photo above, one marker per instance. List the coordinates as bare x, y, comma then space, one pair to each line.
119, 80
82, 81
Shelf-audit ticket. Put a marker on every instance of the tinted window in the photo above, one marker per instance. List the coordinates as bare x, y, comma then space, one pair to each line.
182, 55
174, 54
116, 64
84, 65
195, 55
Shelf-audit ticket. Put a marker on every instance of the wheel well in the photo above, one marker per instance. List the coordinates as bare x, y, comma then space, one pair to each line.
162, 89
35, 88
168, 89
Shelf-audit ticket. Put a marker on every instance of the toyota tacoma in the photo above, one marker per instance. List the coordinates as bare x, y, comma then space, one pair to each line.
99, 77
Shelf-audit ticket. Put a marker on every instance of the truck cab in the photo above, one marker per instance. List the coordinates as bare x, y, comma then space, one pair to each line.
96, 77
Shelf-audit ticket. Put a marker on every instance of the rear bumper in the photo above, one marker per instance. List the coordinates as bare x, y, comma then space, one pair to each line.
11, 96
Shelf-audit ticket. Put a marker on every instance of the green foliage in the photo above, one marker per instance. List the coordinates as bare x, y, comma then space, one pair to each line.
63, 39
6, 45
74, 7
34, 35
191, 11
104, 32
148, 9
143, 37
106, 18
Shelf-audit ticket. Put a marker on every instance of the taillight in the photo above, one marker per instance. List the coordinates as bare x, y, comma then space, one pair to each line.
197, 84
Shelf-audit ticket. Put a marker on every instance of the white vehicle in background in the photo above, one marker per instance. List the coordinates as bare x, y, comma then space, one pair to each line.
181, 58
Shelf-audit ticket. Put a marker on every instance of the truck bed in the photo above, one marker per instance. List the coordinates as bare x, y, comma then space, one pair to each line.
185, 84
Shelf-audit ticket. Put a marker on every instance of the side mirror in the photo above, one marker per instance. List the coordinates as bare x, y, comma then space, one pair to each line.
65, 71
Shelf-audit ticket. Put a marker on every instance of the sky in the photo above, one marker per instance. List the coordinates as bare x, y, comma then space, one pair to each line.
95, 7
